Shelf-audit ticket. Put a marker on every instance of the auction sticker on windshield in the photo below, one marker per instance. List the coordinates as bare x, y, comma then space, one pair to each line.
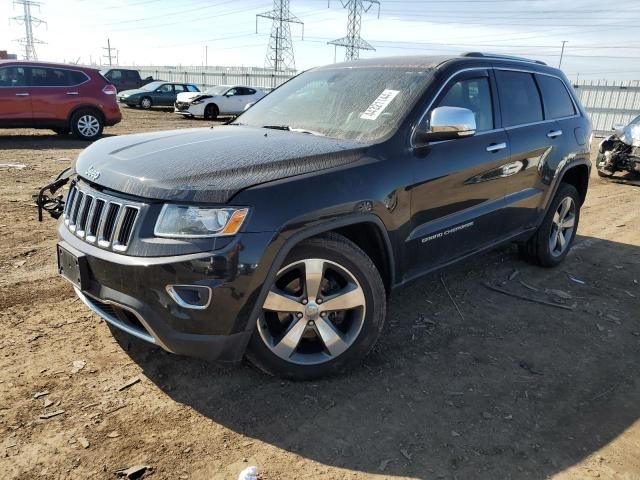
379, 104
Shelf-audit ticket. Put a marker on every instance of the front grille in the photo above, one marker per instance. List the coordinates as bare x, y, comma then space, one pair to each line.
98, 218
182, 106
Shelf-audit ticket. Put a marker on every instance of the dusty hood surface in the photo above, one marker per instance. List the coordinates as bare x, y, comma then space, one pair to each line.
208, 164
630, 135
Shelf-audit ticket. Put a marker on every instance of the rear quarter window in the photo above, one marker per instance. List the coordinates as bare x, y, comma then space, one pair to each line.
519, 98
556, 98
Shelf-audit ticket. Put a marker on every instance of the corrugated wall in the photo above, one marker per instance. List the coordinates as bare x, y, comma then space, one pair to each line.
211, 76
609, 102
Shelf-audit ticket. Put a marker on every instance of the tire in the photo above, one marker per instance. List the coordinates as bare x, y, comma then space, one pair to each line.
211, 112
538, 249
87, 124
294, 345
146, 103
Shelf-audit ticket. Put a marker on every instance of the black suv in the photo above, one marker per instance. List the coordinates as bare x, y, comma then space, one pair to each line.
280, 235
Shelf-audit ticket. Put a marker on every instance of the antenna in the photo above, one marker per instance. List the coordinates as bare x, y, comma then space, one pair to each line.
29, 21
280, 50
352, 42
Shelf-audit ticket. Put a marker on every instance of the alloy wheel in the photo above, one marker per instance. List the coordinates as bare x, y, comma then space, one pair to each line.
88, 126
313, 313
562, 226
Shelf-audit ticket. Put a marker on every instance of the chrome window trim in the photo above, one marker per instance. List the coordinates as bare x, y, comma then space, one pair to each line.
412, 144
88, 79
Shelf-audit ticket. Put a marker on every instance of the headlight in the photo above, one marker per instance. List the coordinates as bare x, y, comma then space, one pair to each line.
197, 102
186, 221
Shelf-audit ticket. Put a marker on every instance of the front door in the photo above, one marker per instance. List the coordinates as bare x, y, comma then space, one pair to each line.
164, 95
458, 197
15, 98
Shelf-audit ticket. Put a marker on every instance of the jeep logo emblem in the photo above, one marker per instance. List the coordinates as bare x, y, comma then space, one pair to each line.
92, 173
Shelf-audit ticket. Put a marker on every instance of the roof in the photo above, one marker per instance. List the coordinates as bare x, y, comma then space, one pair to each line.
434, 61
48, 64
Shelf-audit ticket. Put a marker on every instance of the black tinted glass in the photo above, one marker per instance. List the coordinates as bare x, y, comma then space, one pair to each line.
519, 98
12, 77
557, 102
475, 95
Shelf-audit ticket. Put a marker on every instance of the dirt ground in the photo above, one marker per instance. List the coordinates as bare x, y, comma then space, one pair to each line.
506, 389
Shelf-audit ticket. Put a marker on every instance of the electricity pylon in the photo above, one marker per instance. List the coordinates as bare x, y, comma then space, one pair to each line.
29, 21
352, 42
280, 50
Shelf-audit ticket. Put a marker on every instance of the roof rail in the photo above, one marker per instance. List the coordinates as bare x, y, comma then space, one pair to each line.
499, 56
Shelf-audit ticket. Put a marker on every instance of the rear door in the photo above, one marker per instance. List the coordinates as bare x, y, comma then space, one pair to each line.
533, 140
15, 97
55, 93
458, 195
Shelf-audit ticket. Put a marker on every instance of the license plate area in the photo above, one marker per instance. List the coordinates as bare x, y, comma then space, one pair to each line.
73, 267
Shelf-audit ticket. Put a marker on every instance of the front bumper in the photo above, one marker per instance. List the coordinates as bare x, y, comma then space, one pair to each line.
131, 294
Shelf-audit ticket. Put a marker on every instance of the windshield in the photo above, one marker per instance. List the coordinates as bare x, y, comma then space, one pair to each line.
219, 90
362, 104
149, 87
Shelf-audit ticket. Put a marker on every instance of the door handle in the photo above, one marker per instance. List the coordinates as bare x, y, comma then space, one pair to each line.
554, 133
22, 94
72, 93
496, 147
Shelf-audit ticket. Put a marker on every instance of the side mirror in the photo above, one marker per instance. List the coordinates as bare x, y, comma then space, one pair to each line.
447, 123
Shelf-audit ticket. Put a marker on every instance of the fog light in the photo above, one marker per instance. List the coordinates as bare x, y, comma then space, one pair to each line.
194, 297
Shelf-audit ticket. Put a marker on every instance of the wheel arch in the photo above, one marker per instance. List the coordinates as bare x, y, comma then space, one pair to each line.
78, 108
345, 226
578, 176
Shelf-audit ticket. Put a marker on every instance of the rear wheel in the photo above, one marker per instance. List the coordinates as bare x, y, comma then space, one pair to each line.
87, 124
552, 241
324, 311
211, 112
146, 103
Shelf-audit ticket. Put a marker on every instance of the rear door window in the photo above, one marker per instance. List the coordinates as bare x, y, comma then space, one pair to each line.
475, 95
179, 88
519, 98
557, 101
13, 77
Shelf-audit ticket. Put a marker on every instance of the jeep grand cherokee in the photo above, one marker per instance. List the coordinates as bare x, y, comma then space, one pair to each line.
280, 235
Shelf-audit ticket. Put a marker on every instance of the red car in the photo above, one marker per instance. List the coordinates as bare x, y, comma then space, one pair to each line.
63, 98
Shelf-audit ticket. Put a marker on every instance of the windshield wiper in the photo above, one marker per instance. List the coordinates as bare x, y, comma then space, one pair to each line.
277, 127
289, 129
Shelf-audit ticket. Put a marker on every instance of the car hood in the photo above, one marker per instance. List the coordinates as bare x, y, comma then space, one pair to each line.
208, 164
188, 96
132, 92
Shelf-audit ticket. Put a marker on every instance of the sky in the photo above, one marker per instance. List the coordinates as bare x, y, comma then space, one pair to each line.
601, 37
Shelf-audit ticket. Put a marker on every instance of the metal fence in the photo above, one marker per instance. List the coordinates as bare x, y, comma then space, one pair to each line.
211, 76
609, 102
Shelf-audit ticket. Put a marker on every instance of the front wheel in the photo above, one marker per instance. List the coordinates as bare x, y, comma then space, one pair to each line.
211, 112
323, 313
146, 103
552, 241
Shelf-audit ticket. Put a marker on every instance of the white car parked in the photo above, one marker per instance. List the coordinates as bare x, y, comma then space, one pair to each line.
220, 100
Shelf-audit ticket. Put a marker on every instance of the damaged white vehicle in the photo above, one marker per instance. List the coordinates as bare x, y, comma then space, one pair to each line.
620, 152
223, 100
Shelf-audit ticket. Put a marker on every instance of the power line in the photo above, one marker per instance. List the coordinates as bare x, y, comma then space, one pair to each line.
280, 50
353, 42
29, 21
